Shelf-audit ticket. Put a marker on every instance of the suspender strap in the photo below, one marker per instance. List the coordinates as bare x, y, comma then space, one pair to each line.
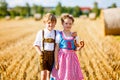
55, 39
42, 40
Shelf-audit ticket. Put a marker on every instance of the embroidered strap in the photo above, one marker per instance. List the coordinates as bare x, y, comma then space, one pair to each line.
49, 40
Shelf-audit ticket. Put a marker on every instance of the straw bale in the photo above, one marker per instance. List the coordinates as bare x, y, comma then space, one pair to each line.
18, 18
111, 20
37, 16
83, 16
92, 16
7, 17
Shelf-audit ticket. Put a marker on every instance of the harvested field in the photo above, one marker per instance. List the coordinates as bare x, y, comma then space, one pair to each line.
99, 59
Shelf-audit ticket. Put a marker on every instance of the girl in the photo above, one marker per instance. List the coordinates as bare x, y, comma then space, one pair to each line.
67, 66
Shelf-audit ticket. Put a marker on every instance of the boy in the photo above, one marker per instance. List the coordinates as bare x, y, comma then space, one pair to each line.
45, 45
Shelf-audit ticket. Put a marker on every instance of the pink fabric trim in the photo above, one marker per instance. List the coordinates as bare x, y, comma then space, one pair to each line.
64, 36
67, 51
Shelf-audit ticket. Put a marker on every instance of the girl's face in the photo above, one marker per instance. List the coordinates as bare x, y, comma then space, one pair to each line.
67, 24
50, 25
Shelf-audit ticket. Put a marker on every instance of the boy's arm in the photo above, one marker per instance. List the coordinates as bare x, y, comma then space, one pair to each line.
56, 56
38, 50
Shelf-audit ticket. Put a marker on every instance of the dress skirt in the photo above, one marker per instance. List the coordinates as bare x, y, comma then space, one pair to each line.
69, 66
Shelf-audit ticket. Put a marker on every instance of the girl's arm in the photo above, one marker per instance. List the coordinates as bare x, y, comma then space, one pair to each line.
38, 50
56, 56
78, 45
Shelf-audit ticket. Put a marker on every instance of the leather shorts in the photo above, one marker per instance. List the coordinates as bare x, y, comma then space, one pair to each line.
46, 60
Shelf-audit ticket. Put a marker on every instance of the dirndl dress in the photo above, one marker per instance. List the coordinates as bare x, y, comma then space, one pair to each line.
69, 66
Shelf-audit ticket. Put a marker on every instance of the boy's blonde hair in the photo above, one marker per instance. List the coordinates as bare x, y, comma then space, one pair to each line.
49, 17
66, 15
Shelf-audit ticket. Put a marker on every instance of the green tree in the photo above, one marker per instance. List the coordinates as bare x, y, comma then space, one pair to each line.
52, 11
28, 9
24, 12
21, 11
58, 9
40, 10
34, 9
3, 8
37, 9
69, 10
96, 9
77, 12
113, 5
12, 13
17, 10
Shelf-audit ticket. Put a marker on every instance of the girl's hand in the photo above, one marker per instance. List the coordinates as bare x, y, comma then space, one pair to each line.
56, 66
74, 34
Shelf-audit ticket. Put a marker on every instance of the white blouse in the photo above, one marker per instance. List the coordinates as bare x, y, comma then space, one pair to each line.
58, 38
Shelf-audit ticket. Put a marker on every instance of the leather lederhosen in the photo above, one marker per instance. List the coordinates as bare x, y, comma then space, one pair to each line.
47, 59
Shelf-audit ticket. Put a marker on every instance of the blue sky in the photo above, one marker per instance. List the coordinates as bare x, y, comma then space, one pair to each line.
53, 3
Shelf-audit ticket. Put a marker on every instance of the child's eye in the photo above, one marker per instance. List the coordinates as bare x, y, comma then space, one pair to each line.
48, 22
66, 23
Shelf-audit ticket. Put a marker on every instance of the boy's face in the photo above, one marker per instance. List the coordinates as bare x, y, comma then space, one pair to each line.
67, 24
50, 25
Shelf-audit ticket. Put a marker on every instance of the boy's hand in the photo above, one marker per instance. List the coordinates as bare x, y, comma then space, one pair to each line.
40, 53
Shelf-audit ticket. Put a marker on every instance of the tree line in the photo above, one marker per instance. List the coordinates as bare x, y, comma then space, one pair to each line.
27, 10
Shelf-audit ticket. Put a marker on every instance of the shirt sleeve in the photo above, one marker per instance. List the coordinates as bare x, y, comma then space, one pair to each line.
38, 39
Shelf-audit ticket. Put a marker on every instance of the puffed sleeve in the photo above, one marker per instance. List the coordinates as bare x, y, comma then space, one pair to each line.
77, 39
58, 37
38, 39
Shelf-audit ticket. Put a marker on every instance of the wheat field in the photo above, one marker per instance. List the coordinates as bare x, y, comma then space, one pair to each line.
99, 59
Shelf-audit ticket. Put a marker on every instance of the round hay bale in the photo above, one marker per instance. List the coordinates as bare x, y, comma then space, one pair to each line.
83, 17
92, 16
18, 18
37, 16
7, 17
111, 21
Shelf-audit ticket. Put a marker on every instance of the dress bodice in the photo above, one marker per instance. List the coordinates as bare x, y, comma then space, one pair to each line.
66, 43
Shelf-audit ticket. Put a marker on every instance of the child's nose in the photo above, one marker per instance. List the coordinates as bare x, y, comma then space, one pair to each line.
68, 24
50, 24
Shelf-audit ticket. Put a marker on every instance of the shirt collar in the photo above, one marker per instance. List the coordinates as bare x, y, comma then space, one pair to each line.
48, 30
